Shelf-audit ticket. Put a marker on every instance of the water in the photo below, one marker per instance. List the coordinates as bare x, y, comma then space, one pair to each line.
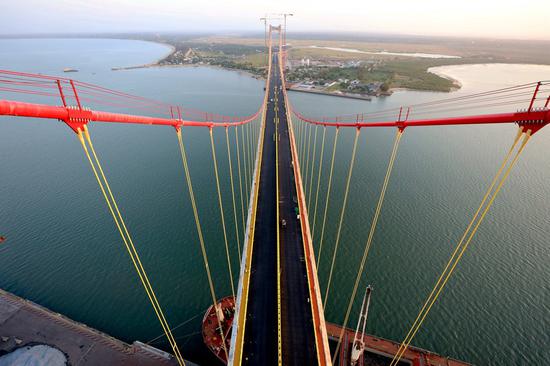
386, 53
63, 250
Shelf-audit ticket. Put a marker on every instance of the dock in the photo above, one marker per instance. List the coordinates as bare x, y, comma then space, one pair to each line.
24, 323
330, 94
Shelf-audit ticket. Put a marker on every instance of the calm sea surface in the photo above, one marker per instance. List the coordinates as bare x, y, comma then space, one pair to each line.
64, 252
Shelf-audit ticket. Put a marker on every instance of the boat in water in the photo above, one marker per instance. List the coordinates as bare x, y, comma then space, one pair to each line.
211, 334
376, 350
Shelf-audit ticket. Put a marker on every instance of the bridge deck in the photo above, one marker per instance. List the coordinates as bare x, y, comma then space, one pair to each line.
261, 337
297, 331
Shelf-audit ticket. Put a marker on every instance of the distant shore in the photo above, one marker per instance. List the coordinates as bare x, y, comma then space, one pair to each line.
155, 63
436, 70
331, 94
172, 50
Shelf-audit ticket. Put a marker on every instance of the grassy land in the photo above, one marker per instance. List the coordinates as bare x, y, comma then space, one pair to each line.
491, 50
246, 53
256, 60
414, 75
397, 73
238, 57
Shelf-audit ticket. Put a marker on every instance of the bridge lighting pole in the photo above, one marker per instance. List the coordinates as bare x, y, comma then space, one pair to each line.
265, 38
358, 340
265, 30
284, 34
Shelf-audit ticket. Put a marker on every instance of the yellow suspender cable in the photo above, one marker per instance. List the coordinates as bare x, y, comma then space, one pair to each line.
300, 125
249, 130
221, 212
321, 158
303, 166
309, 193
256, 129
248, 148
303, 141
240, 174
125, 235
342, 212
327, 200
245, 163
370, 236
308, 149
256, 137
457, 248
252, 146
300, 142
201, 238
462, 246
233, 193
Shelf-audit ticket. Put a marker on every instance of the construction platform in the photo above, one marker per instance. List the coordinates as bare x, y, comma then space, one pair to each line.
24, 324
379, 351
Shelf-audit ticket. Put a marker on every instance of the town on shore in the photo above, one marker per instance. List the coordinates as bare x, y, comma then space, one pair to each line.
359, 69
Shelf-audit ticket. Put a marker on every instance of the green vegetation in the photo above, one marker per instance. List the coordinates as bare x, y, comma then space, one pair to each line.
256, 59
248, 54
414, 75
229, 56
392, 74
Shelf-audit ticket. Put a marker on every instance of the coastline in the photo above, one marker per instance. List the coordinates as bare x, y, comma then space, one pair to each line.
244, 72
172, 50
331, 94
456, 82
155, 63
436, 70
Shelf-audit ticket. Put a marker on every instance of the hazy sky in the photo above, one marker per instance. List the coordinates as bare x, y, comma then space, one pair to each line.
479, 18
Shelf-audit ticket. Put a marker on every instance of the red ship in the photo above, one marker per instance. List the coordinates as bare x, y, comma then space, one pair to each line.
377, 351
211, 334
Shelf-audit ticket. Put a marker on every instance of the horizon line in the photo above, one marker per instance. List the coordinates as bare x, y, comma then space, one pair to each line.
228, 32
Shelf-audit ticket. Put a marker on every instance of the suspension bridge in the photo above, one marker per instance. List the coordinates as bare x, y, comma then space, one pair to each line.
275, 313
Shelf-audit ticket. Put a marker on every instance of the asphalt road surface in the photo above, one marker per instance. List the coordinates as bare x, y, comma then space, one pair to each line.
260, 338
261, 335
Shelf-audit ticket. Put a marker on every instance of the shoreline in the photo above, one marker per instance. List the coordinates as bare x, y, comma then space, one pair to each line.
157, 65
330, 94
436, 70
458, 84
150, 64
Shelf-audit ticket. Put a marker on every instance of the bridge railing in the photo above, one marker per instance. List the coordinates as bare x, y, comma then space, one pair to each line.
530, 101
239, 322
77, 103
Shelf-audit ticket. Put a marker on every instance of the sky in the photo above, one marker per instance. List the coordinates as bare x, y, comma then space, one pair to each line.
527, 19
